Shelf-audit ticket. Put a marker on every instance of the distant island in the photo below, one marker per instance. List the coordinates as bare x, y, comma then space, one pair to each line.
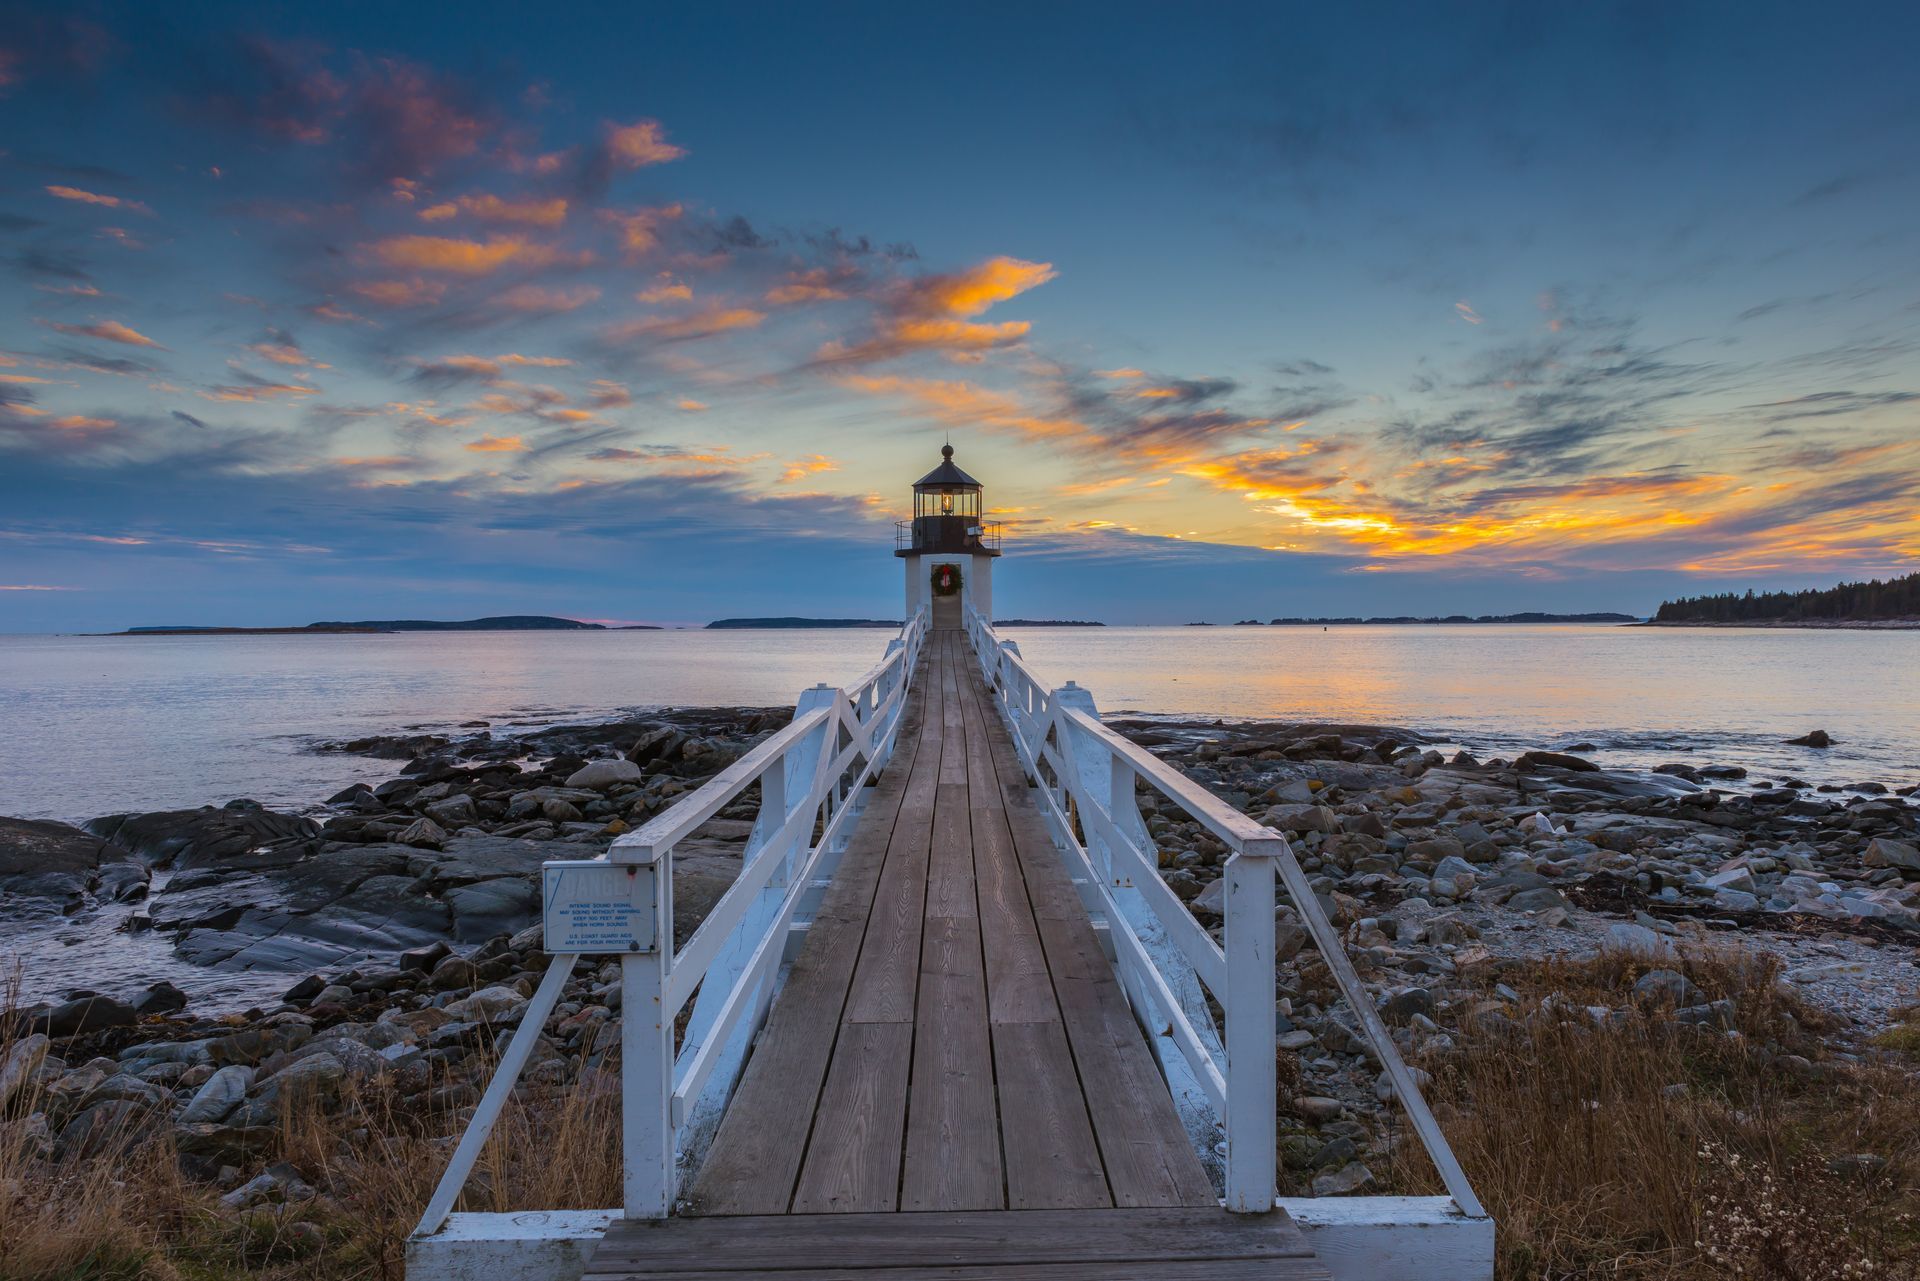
501, 623
1894, 603
751, 624
1045, 622
1403, 620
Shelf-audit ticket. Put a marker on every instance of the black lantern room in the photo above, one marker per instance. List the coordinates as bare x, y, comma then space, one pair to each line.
947, 515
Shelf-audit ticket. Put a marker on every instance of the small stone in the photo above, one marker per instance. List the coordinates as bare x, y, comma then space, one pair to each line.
1319, 1110
1542, 899
422, 833
1818, 738
1343, 1182
1668, 987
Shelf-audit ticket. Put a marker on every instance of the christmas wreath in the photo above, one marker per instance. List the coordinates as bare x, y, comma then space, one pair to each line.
946, 580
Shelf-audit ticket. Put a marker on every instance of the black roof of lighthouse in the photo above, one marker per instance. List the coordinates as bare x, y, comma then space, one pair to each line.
946, 474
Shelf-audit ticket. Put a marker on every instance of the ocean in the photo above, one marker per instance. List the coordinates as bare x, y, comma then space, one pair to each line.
93, 725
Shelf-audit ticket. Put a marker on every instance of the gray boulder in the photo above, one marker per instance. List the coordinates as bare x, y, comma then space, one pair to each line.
604, 774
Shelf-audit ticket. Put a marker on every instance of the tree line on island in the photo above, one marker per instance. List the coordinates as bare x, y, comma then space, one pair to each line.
1871, 601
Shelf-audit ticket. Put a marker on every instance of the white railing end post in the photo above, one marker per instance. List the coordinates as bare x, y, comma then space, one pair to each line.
648, 1147
1252, 1029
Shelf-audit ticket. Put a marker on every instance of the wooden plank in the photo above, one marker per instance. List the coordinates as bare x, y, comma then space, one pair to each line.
953, 678
853, 1158
1257, 1269
754, 1161
1052, 1159
1148, 1157
950, 890
1004, 1238
1019, 989
953, 1134
889, 970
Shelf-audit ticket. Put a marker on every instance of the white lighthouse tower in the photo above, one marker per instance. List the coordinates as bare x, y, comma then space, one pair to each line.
948, 547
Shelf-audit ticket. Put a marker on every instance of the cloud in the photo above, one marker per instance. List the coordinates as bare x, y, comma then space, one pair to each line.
640, 144
687, 404
32, 587
701, 324
254, 390
546, 300
549, 212
815, 285
335, 312
95, 198
936, 313
400, 293
188, 418
280, 348
464, 257
109, 331
1466, 313
1828, 404
391, 120
665, 291
81, 422
640, 228
607, 394
811, 465
488, 444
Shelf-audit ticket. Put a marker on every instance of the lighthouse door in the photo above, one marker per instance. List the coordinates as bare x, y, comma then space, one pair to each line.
945, 583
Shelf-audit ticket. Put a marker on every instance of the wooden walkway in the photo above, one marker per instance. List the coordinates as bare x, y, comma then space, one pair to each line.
951, 1042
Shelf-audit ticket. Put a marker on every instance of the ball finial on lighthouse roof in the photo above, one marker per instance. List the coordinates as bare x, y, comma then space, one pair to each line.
946, 451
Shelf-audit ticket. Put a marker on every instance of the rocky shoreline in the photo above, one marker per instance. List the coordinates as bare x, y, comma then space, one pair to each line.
404, 916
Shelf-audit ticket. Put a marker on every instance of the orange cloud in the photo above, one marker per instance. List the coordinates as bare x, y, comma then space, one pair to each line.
497, 445
533, 213
383, 460
95, 198
811, 465
966, 404
640, 228
608, 394
251, 393
535, 362
539, 298
334, 312
285, 353
688, 404
640, 144
79, 422
817, 285
1120, 373
665, 292
937, 313
702, 324
401, 293
464, 257
110, 330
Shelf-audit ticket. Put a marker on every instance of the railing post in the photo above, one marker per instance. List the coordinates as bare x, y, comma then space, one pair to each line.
1252, 1077
646, 1055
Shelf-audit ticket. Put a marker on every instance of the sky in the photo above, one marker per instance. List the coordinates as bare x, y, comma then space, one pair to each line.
652, 314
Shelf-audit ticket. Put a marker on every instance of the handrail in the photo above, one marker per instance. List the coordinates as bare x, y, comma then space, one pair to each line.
811, 773
1086, 776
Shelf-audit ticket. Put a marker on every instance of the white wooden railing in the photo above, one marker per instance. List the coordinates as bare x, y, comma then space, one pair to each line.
811, 775
1086, 776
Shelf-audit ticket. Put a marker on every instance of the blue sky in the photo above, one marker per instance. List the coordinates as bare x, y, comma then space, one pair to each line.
358, 310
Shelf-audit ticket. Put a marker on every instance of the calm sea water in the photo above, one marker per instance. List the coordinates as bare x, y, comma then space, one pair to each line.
95, 725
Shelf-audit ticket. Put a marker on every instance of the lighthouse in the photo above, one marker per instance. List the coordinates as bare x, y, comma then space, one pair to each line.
948, 547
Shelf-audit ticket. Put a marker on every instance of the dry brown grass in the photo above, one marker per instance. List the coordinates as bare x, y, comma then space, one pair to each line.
1633, 1147
126, 1213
